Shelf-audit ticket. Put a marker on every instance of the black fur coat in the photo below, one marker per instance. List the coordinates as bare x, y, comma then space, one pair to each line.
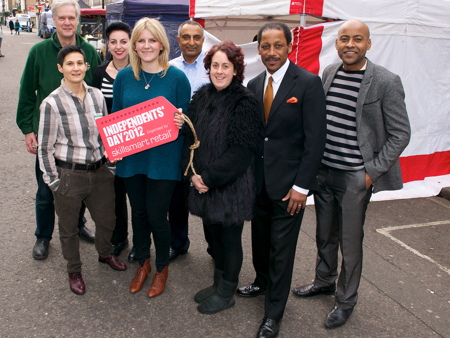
228, 124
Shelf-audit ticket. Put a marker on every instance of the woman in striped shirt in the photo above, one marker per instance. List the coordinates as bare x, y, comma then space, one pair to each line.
118, 35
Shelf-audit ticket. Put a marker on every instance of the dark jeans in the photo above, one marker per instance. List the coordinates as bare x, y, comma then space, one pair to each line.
150, 200
228, 253
178, 219
120, 233
45, 208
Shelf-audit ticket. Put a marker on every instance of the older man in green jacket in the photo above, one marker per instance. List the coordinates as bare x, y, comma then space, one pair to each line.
40, 77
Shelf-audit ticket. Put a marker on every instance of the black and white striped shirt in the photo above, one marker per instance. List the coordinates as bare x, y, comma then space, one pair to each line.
341, 149
107, 90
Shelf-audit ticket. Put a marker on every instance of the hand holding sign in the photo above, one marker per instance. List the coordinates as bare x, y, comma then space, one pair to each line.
179, 121
137, 128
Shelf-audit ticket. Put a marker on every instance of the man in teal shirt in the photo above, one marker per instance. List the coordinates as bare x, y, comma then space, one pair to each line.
40, 77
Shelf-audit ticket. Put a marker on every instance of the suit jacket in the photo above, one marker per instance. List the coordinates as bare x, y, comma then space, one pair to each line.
293, 140
382, 124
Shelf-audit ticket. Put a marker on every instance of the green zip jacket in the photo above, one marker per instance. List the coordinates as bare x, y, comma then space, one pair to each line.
41, 76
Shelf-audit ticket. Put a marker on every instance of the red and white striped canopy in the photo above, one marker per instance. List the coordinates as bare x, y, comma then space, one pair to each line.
411, 38
421, 12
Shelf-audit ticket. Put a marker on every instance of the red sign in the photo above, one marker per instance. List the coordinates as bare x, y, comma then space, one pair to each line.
140, 127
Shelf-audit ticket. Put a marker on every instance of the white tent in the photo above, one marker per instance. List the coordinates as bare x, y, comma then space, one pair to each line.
409, 37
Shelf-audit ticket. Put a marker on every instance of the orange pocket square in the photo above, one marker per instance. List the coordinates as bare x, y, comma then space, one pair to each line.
292, 100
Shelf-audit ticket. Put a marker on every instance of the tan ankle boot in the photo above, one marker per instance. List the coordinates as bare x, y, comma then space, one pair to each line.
141, 275
159, 283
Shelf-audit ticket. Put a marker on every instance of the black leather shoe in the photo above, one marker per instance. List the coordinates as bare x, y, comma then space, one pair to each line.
40, 249
269, 328
310, 290
86, 234
251, 290
174, 254
337, 317
132, 255
118, 248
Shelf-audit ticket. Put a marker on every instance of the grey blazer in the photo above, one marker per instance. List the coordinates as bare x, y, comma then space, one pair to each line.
382, 123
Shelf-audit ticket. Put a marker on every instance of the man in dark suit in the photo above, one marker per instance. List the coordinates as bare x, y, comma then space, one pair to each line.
367, 130
293, 140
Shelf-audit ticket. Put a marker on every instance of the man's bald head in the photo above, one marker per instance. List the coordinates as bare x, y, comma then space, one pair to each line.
357, 24
352, 43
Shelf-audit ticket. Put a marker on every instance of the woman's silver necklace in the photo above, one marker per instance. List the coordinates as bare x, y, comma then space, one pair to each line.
147, 84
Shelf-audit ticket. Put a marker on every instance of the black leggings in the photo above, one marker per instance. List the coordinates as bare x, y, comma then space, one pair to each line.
120, 233
227, 249
150, 200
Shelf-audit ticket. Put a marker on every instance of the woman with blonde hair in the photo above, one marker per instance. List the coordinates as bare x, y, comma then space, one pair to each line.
150, 175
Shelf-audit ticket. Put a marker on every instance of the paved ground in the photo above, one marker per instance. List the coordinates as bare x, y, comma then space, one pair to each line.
405, 289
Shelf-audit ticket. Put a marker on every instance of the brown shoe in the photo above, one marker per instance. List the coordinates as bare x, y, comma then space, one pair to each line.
114, 262
141, 275
76, 283
159, 283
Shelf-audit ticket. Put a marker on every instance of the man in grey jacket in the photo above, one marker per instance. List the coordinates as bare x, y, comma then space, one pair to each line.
367, 130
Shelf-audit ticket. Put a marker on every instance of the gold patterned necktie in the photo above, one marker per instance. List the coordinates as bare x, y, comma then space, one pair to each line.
268, 99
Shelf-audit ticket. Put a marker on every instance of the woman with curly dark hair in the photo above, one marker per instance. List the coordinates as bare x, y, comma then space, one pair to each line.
226, 119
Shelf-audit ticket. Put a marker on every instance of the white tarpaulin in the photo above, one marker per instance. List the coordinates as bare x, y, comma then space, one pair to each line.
410, 38
420, 12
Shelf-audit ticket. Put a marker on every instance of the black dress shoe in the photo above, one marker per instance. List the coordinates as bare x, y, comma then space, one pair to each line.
118, 248
251, 290
310, 290
40, 249
337, 317
86, 234
174, 254
269, 328
132, 255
